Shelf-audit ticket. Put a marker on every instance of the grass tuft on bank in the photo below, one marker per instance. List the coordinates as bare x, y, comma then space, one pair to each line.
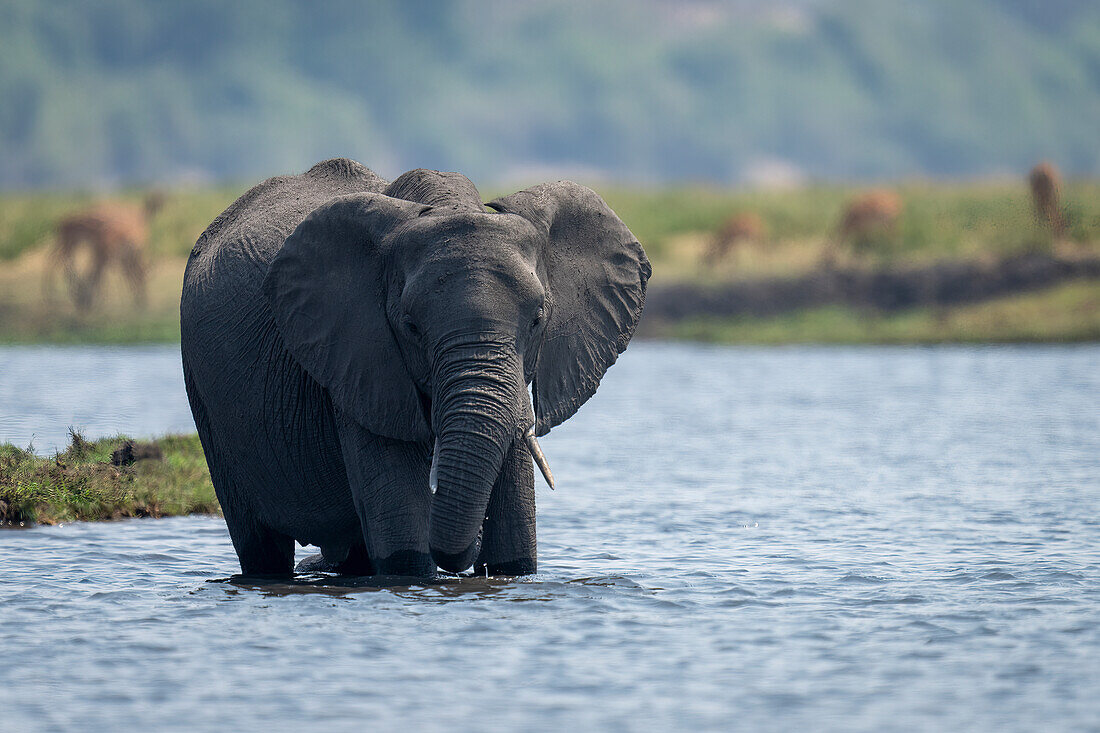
169, 478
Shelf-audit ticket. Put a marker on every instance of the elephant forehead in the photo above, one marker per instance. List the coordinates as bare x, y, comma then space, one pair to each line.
505, 273
466, 234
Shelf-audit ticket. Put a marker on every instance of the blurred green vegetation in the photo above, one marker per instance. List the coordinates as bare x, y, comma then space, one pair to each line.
131, 91
82, 484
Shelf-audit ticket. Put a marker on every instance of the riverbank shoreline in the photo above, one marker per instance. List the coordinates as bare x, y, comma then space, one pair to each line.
1063, 315
1030, 298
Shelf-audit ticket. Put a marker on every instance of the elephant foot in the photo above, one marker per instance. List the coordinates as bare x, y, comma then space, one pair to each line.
524, 566
411, 563
406, 563
315, 564
356, 563
261, 551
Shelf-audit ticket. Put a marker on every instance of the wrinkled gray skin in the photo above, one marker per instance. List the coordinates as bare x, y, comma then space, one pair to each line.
336, 326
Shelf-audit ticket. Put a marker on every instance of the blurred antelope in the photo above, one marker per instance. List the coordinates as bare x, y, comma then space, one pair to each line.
113, 233
872, 214
1045, 195
746, 227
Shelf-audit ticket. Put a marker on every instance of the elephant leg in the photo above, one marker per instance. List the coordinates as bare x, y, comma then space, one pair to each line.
262, 551
389, 484
357, 562
508, 535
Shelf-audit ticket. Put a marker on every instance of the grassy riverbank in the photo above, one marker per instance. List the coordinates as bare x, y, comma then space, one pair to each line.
940, 223
83, 484
1067, 313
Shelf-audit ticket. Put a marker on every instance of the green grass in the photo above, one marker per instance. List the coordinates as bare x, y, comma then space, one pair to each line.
27, 220
27, 315
675, 224
82, 484
1063, 314
160, 327
939, 219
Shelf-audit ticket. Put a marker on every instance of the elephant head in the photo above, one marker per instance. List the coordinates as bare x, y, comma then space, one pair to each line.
426, 316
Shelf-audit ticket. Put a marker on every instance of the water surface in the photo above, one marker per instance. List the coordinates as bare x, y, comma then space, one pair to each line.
785, 539
101, 391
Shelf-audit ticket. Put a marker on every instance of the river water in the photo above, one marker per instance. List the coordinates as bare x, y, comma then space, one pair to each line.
780, 539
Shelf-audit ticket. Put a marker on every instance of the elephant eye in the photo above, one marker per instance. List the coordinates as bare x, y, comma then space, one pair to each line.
411, 326
537, 321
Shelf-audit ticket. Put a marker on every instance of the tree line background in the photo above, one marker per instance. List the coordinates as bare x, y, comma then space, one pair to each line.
125, 91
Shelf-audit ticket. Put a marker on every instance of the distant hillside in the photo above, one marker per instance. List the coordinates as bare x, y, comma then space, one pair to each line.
123, 90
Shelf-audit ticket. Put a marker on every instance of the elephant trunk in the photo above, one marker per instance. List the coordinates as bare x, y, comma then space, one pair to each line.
479, 408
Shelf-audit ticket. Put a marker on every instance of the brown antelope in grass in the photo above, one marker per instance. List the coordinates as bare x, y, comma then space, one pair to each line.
746, 227
112, 233
1046, 184
869, 215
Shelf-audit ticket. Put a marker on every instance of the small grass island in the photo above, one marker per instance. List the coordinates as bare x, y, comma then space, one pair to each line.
111, 478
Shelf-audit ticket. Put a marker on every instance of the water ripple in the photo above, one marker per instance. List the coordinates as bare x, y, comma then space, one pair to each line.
789, 539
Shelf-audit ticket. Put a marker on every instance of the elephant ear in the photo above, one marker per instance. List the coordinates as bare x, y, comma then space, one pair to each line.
597, 274
327, 291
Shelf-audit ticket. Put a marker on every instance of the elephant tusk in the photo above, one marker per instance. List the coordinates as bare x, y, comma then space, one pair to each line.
433, 474
539, 456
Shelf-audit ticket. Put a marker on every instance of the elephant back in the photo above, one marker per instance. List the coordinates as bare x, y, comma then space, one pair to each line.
228, 262
269, 211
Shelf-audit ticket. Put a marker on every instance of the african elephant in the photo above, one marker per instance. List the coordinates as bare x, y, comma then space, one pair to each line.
350, 343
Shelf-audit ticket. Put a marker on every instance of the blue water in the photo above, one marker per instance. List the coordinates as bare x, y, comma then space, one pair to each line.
100, 391
780, 539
